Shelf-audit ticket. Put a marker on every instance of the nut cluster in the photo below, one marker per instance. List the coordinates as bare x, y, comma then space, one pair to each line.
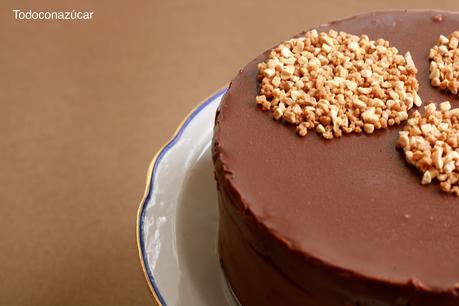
337, 82
444, 63
431, 143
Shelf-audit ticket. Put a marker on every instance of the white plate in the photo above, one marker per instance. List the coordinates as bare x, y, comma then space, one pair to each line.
177, 220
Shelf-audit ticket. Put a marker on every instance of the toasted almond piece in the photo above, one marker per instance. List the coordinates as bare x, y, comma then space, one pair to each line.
426, 178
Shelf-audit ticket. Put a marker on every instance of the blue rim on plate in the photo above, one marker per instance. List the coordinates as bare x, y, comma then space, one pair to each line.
149, 191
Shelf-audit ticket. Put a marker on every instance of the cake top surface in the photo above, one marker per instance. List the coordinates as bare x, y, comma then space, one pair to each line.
352, 202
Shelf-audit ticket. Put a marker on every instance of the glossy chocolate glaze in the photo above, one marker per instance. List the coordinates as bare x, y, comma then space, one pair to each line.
342, 221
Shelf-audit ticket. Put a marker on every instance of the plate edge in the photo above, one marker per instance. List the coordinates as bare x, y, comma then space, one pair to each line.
154, 290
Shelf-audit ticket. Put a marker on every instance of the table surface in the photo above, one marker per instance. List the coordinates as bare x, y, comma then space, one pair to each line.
84, 106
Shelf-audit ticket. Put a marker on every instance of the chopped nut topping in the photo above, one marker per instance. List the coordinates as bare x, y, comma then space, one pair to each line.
444, 63
431, 143
337, 83
437, 18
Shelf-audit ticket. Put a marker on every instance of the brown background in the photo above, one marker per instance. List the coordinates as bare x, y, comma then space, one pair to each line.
84, 106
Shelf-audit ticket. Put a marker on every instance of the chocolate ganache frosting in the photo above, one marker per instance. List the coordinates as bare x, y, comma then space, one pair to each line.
305, 221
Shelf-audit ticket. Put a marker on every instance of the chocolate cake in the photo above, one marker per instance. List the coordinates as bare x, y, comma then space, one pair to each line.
308, 221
